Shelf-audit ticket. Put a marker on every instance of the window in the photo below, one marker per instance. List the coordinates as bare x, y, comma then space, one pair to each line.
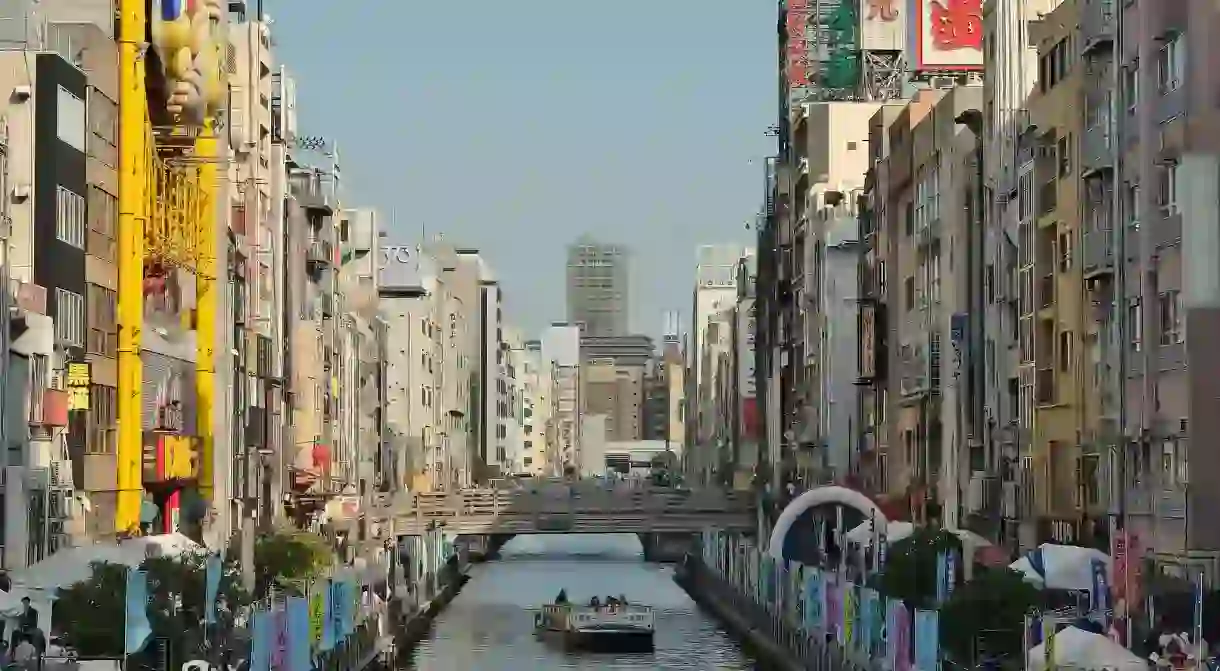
1131, 85
70, 217
1135, 324
1171, 65
1171, 318
1167, 188
101, 316
1065, 252
70, 119
70, 317
1063, 150
1131, 205
908, 291
1065, 351
103, 214
1025, 195
102, 432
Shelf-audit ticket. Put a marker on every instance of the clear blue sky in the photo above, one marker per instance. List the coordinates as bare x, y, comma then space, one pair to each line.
516, 126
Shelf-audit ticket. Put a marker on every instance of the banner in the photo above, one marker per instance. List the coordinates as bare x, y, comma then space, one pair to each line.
866, 623
317, 614
329, 635
891, 628
1099, 595
902, 638
262, 640
927, 640
213, 568
279, 648
136, 628
815, 601
849, 613
834, 607
300, 633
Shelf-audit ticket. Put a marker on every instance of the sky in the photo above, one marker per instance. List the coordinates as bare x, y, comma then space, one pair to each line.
514, 127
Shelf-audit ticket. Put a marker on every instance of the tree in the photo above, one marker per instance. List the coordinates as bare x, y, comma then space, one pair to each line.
91, 613
986, 616
911, 570
289, 559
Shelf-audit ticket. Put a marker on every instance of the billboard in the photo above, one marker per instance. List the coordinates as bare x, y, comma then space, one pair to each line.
798, 44
398, 267
883, 25
948, 35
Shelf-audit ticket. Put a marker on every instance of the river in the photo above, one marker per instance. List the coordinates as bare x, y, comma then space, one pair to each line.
489, 626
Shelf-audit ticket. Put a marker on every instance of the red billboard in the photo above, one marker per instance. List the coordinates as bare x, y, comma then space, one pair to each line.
797, 68
948, 35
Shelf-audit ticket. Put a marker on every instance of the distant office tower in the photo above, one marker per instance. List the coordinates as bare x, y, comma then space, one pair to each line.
597, 287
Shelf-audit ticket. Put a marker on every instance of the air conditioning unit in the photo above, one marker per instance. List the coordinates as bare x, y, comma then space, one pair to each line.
61, 473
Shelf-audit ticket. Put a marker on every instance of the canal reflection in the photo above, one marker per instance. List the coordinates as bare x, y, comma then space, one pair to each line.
489, 627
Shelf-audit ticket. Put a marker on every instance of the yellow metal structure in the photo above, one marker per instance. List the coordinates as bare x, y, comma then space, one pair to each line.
167, 217
135, 151
206, 290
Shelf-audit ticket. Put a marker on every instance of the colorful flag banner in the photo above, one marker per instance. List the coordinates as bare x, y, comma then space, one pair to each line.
279, 648
815, 601
849, 614
213, 569
902, 638
136, 628
262, 640
927, 640
329, 635
300, 634
866, 622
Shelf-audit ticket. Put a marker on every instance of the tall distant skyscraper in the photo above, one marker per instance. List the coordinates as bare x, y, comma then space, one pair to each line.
597, 287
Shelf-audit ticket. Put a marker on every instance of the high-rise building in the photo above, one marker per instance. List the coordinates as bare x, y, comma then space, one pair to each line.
597, 291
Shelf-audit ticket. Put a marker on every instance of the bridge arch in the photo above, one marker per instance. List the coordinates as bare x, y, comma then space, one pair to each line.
833, 494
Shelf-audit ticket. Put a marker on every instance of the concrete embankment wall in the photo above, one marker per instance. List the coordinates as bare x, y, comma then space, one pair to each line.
777, 644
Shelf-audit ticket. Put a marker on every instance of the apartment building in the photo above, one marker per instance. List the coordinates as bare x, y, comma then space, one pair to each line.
715, 291
538, 412
492, 432
561, 345
514, 376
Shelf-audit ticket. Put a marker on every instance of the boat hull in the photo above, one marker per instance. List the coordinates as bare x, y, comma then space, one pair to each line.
603, 640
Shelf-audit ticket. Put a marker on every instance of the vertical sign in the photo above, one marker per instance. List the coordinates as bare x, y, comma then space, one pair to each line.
797, 48
79, 377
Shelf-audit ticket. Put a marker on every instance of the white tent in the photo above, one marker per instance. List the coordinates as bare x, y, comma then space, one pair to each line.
1079, 649
1052, 566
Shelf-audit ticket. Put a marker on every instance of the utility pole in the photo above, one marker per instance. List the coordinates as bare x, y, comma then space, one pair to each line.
1119, 305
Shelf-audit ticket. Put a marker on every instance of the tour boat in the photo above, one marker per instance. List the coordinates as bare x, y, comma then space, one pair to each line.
615, 627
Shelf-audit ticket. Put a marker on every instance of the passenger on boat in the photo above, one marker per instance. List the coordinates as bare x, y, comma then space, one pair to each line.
622, 598
611, 601
594, 603
562, 598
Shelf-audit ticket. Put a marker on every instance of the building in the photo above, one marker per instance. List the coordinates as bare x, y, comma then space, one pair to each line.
597, 287
515, 378
561, 346
615, 392
538, 412
715, 291
746, 428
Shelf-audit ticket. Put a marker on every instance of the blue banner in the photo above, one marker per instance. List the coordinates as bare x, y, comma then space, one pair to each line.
262, 640
865, 623
299, 636
213, 568
137, 631
927, 640
950, 573
330, 636
815, 601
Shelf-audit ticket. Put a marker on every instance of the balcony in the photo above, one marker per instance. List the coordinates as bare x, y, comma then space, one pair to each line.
983, 496
928, 234
326, 304
1098, 253
1096, 24
1096, 150
319, 254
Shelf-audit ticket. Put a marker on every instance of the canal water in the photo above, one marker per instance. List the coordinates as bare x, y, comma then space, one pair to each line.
489, 626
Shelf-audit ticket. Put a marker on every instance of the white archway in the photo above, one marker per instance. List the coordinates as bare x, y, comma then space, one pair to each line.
817, 497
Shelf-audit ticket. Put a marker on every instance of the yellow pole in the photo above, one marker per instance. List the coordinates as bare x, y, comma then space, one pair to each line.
134, 152
206, 304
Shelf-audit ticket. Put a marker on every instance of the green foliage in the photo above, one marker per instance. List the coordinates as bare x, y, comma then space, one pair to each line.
985, 616
910, 567
290, 559
90, 614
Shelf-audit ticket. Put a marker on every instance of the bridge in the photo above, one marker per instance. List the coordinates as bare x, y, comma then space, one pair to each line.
549, 508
